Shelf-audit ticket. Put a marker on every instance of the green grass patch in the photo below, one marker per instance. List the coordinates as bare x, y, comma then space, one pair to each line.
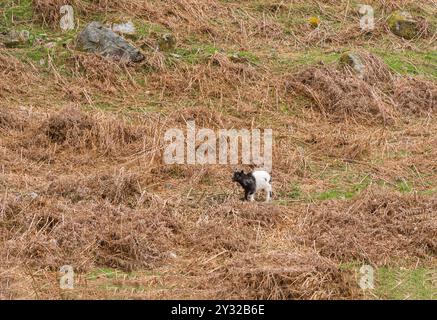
146, 29
396, 283
15, 12
404, 186
249, 56
307, 58
195, 54
108, 273
334, 194
347, 187
295, 192
410, 62
412, 284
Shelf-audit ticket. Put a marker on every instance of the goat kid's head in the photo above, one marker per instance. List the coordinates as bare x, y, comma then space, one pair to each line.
238, 176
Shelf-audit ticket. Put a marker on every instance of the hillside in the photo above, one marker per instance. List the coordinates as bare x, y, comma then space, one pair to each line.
83, 181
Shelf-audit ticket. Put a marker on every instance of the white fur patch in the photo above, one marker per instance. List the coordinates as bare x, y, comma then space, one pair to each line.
263, 182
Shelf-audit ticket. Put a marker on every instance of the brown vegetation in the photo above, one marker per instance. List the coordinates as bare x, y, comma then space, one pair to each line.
354, 168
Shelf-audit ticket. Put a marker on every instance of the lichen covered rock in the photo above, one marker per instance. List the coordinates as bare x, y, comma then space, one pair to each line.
14, 38
402, 24
354, 61
366, 66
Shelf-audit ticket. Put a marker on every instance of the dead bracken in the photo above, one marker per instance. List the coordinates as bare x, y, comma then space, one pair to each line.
82, 177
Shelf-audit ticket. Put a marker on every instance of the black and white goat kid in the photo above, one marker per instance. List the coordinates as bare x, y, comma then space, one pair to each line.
254, 181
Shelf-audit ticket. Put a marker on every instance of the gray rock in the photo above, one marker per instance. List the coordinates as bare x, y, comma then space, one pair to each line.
99, 39
402, 24
354, 61
14, 38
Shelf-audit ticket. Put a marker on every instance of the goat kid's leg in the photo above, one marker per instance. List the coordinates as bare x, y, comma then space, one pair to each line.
268, 193
246, 195
249, 196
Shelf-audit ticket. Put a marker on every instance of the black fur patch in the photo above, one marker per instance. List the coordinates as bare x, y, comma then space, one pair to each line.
247, 181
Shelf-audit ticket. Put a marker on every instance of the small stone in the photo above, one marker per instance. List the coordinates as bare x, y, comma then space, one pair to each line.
354, 61
402, 24
166, 42
14, 38
127, 28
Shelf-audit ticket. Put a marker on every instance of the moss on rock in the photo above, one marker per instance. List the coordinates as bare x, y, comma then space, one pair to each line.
402, 24
354, 61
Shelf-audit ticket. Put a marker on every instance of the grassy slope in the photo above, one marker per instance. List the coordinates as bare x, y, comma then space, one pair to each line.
325, 178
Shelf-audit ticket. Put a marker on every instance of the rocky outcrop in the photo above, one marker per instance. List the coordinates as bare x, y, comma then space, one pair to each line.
14, 38
403, 25
99, 39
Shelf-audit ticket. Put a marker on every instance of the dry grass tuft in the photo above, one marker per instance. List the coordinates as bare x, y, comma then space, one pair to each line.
339, 95
74, 128
156, 60
10, 120
375, 71
376, 228
100, 235
218, 78
139, 8
204, 118
215, 229
104, 74
214, 236
119, 187
14, 75
415, 95
341, 144
279, 275
69, 125
250, 215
